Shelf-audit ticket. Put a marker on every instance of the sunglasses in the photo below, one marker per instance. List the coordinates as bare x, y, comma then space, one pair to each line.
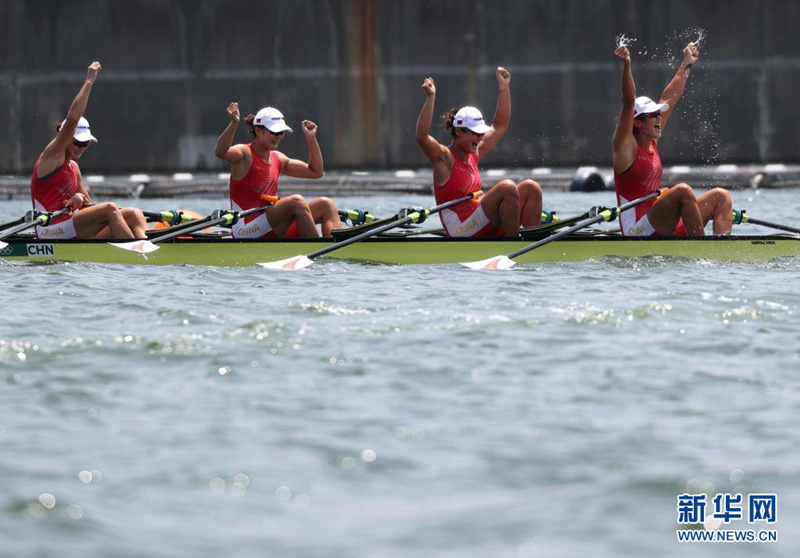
77, 143
275, 133
655, 114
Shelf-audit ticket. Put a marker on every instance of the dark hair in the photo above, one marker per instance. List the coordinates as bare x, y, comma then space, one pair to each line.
447, 121
249, 119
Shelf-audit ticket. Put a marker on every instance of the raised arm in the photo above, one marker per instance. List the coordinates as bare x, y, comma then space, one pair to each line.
433, 149
439, 155
624, 142
315, 167
502, 114
53, 155
674, 90
224, 148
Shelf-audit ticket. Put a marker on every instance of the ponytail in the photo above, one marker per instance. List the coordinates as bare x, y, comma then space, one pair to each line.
447, 121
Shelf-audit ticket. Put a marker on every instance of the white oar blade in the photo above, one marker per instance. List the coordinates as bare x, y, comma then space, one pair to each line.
497, 262
142, 247
289, 264
3, 244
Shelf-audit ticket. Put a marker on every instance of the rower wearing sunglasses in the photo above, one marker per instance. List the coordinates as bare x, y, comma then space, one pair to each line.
255, 168
638, 170
57, 181
505, 205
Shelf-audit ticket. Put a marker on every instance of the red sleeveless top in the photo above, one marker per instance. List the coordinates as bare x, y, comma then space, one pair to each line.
261, 179
465, 179
49, 193
643, 177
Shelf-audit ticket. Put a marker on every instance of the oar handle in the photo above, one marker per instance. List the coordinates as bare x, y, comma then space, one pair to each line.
409, 218
356, 216
604, 215
170, 216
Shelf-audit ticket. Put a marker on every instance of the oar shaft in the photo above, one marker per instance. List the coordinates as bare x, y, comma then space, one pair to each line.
556, 236
365, 234
14, 223
582, 224
772, 225
377, 230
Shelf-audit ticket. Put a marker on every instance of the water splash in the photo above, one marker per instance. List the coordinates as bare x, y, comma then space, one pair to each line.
701, 35
622, 40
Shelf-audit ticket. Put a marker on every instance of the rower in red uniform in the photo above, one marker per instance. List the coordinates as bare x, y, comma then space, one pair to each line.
255, 168
638, 170
57, 181
455, 169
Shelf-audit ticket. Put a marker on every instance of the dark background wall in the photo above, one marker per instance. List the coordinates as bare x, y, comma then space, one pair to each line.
356, 66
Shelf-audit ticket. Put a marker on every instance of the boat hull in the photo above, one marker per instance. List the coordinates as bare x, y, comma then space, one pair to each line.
417, 250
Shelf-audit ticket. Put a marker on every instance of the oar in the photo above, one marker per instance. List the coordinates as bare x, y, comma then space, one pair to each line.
225, 218
743, 217
300, 262
506, 262
12, 223
38, 219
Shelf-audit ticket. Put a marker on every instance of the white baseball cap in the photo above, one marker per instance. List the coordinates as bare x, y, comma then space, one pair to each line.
82, 132
646, 105
472, 119
272, 120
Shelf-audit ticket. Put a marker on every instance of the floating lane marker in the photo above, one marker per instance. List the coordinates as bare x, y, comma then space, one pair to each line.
139, 178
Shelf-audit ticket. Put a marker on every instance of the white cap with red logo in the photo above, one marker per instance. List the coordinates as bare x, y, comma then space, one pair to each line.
272, 120
82, 132
472, 119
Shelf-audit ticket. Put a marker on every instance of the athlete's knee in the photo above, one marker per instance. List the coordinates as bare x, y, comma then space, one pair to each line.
327, 204
682, 191
507, 188
296, 203
294, 199
530, 188
135, 215
109, 209
722, 196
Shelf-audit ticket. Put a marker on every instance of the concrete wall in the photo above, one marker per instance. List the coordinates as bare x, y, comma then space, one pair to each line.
356, 66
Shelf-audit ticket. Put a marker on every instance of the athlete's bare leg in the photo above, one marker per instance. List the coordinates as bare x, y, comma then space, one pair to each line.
679, 202
324, 211
291, 209
501, 205
530, 203
103, 218
717, 204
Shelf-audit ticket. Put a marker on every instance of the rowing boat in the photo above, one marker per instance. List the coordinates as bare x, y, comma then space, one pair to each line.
225, 251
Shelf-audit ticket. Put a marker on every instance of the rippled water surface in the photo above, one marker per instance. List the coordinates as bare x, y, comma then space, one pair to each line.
367, 410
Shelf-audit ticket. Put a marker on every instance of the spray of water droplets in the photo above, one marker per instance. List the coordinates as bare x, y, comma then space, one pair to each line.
700, 104
622, 40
